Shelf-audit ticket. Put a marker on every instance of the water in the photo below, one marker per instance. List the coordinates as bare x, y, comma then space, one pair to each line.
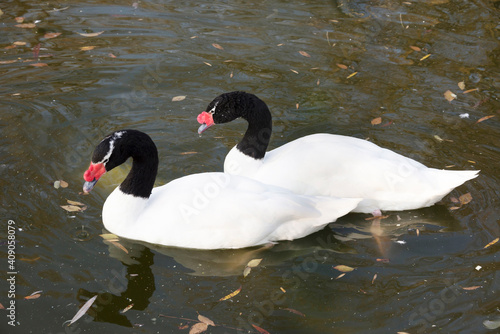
151, 51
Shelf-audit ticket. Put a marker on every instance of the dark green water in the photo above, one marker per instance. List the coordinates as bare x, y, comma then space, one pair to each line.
51, 117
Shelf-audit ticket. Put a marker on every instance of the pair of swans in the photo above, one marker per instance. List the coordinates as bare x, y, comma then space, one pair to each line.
262, 197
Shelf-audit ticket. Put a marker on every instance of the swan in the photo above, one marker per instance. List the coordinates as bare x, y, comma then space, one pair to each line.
327, 164
202, 211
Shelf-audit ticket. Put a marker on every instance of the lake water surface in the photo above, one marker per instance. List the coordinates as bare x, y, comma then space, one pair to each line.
321, 66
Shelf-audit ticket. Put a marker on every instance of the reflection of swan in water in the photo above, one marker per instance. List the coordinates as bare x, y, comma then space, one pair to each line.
135, 285
336, 238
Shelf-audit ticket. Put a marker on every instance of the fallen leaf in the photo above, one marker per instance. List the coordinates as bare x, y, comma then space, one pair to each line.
484, 118
470, 90
87, 48
83, 310
217, 46
449, 95
415, 48
19, 43
33, 296
454, 200
127, 308
75, 203
284, 291
317, 82
111, 55
465, 198
351, 75
340, 276
198, 328
10, 47
376, 121
342, 66
64, 184
461, 85
7, 61
119, 245
208, 64
492, 243
374, 278
296, 106
260, 330
178, 98
51, 35
231, 75
39, 64
470, 288
246, 271
19, 19
305, 54
2, 307
383, 260
93, 34
186, 326
26, 25
205, 320
71, 208
254, 263
57, 184
232, 294
186, 153
295, 311
343, 268
294, 71
454, 208
425, 57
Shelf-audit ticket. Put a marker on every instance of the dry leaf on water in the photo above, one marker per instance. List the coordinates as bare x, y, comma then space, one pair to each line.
217, 46
198, 328
127, 308
51, 35
232, 294
72, 208
449, 95
465, 198
305, 54
119, 245
87, 48
7, 61
205, 320
470, 90
19, 19
415, 48
295, 311
376, 121
83, 310
461, 85
340, 276
39, 64
75, 203
470, 288
34, 295
178, 98
425, 57
374, 278
2, 307
484, 118
492, 243
246, 271
342, 66
26, 25
254, 263
260, 330
93, 34
19, 43
351, 75
343, 268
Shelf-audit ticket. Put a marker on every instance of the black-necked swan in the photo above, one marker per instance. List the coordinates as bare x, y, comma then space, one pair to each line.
328, 164
204, 211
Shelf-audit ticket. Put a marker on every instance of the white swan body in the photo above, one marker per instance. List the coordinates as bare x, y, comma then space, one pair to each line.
349, 167
326, 164
203, 211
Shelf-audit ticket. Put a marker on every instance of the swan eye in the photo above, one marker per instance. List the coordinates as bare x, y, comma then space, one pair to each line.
212, 111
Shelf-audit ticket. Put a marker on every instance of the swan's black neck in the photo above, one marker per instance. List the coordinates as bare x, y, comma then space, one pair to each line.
255, 112
141, 178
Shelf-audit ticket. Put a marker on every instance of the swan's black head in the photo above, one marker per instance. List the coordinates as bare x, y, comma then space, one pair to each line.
229, 106
115, 149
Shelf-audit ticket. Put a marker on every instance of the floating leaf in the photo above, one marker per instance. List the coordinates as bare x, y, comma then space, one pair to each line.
57, 184
10, 47
7, 61
93, 34
454, 208
465, 198
51, 35
208, 64
340, 276
127, 308
415, 48
205, 320
246, 271
470, 288
294, 71
198, 328
454, 200
75, 203
232, 294
39, 64
33, 296
351, 75
26, 25
461, 85
2, 307
111, 55
484, 118
383, 260
19, 19
178, 98
83, 310
305, 54
253, 263
19, 43
376, 121
186, 153
88, 48
492, 243
281, 288
425, 57
342, 66
295, 311
119, 245
374, 278
64, 184
217, 46
449, 95
260, 330
470, 90
71, 208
